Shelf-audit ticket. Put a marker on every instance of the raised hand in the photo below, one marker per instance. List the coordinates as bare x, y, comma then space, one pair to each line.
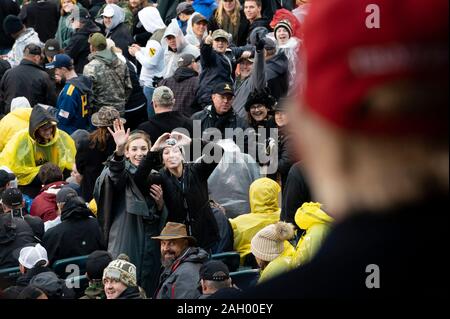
120, 136
182, 139
160, 142
209, 39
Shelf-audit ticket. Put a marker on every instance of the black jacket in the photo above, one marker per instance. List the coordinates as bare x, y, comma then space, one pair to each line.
42, 16
29, 80
296, 192
261, 22
270, 6
210, 119
187, 200
165, 123
25, 278
122, 38
130, 293
398, 246
216, 68
15, 233
78, 234
78, 48
89, 163
277, 75
7, 7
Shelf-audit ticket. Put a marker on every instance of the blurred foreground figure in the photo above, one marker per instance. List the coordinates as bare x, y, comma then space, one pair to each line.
373, 134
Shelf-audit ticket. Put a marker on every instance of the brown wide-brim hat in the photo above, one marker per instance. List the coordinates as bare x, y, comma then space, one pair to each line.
175, 231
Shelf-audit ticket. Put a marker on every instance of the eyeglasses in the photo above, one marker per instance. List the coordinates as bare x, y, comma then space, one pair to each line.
257, 106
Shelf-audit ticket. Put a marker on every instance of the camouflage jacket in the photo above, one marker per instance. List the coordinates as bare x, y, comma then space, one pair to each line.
111, 83
94, 291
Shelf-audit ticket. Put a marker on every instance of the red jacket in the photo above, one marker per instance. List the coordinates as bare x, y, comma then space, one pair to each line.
44, 205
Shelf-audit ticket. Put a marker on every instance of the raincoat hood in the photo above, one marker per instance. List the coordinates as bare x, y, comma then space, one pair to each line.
263, 195
22, 114
151, 19
190, 32
174, 29
310, 214
117, 18
75, 208
39, 117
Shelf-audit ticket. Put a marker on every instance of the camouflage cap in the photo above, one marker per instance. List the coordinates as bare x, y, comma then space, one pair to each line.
121, 269
106, 116
98, 41
221, 34
163, 96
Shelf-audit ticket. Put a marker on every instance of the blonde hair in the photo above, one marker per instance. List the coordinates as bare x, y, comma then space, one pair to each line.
235, 15
137, 135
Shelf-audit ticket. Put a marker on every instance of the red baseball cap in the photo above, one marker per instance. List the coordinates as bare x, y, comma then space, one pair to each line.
362, 56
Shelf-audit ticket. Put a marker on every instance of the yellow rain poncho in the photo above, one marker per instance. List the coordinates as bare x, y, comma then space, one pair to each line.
317, 224
13, 122
264, 210
276, 267
24, 155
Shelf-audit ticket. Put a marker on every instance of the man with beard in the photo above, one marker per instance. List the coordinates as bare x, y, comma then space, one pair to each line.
181, 261
72, 105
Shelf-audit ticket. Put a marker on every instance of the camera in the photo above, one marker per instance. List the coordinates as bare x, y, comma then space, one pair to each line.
171, 141
155, 178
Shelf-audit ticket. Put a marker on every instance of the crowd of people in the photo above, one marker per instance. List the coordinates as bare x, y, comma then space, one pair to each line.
147, 137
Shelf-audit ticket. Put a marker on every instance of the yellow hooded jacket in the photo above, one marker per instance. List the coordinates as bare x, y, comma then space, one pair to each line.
24, 155
317, 224
13, 122
264, 210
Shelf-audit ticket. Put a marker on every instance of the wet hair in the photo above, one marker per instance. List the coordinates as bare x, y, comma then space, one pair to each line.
50, 173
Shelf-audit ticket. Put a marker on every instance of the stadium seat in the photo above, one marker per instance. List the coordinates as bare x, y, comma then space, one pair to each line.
62, 270
78, 284
231, 259
245, 278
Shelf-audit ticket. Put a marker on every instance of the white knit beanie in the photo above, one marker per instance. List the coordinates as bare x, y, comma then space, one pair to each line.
268, 243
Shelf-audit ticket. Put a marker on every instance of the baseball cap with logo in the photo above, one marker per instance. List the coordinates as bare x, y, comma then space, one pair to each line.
52, 47
214, 270
30, 256
12, 197
185, 60
163, 96
106, 116
223, 89
60, 61
220, 34
108, 11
